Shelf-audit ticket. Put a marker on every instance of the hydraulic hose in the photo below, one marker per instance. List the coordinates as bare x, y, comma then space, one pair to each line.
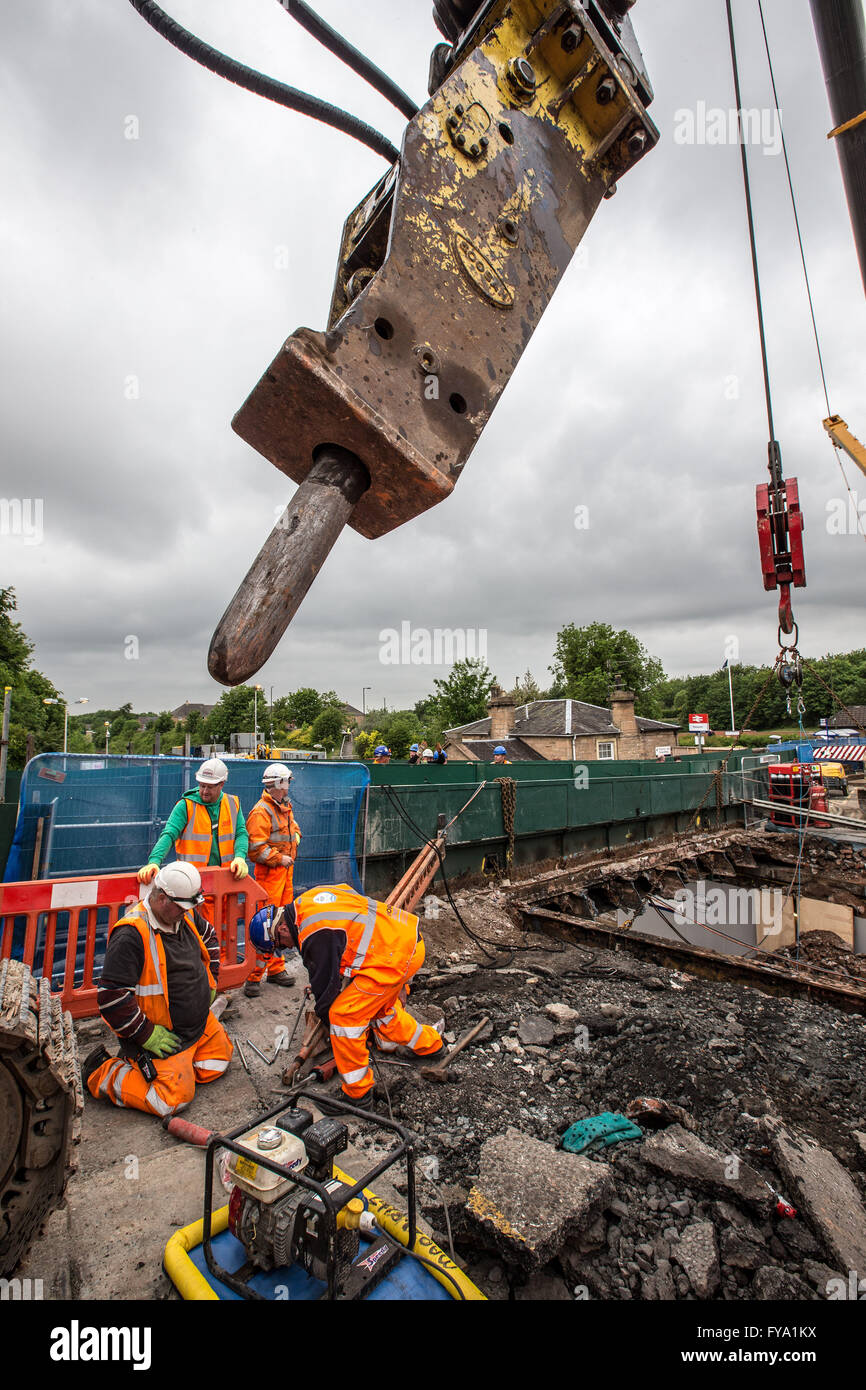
263, 86
348, 54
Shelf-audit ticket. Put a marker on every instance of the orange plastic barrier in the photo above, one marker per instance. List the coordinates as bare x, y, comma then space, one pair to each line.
42, 901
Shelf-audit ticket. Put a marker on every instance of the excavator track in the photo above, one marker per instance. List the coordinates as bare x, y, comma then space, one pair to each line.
41, 1102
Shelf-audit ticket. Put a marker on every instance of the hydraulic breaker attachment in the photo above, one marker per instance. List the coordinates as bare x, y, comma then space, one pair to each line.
445, 269
780, 537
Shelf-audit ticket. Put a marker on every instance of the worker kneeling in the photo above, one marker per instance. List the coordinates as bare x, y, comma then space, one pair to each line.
359, 954
158, 982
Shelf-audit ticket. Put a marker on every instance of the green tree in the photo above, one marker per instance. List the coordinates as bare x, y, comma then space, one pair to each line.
232, 714
463, 696
526, 689
328, 728
28, 713
588, 660
301, 707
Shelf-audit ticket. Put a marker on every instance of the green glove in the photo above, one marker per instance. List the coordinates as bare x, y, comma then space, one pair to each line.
212, 995
161, 1042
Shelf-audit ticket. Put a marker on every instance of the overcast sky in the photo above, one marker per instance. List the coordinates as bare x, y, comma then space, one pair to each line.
143, 298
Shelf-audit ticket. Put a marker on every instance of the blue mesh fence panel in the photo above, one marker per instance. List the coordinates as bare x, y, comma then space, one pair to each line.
102, 815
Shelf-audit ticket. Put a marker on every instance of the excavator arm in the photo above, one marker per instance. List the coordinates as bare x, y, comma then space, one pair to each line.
844, 439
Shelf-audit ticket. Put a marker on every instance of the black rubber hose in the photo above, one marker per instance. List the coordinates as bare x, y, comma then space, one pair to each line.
263, 86
348, 54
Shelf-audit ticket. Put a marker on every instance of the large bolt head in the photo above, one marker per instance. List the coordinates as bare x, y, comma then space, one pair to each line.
606, 91
521, 75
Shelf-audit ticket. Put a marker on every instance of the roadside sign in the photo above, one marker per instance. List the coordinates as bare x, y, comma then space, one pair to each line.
664, 751
699, 723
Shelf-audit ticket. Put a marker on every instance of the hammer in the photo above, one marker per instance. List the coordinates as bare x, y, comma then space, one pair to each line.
440, 1072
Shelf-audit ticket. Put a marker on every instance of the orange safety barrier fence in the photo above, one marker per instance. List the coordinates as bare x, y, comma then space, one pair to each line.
33, 909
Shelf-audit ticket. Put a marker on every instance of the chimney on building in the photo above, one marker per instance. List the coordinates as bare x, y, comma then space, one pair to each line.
501, 710
622, 710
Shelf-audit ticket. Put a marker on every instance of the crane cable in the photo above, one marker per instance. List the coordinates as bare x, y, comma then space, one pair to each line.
262, 85
803, 260
752, 241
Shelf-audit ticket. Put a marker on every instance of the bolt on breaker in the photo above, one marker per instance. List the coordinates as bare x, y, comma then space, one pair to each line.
537, 109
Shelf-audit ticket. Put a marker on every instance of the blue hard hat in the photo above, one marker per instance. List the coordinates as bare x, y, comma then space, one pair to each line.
499, 751
261, 931
413, 748
382, 750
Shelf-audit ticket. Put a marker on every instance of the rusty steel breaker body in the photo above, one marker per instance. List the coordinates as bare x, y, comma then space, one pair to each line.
538, 107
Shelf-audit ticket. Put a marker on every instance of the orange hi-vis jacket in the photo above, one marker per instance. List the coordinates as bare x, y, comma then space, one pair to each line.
380, 940
151, 992
272, 827
194, 843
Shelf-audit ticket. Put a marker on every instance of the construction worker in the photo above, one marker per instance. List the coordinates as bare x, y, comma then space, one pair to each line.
427, 756
382, 754
158, 982
206, 828
500, 754
274, 838
414, 754
359, 954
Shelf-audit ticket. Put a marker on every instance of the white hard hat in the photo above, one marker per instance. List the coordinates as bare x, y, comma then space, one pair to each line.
428, 753
212, 772
180, 882
276, 772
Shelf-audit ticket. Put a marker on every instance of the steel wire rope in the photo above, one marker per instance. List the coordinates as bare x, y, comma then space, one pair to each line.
803, 260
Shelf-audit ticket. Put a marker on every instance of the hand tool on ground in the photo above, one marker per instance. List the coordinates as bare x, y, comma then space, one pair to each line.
439, 1072
257, 1051
237, 1043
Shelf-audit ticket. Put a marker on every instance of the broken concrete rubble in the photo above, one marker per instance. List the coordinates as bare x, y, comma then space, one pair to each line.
683, 1155
695, 1252
529, 1198
819, 1185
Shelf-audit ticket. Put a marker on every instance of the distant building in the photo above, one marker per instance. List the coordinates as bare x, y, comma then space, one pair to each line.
182, 713
561, 730
843, 719
353, 716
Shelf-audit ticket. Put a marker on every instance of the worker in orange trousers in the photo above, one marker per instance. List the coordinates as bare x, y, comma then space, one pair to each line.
274, 838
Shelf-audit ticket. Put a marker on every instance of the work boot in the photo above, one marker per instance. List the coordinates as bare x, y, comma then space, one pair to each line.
284, 980
252, 989
367, 1101
92, 1062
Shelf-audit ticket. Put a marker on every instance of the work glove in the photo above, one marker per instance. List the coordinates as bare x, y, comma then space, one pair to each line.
212, 995
297, 837
162, 1042
148, 873
239, 868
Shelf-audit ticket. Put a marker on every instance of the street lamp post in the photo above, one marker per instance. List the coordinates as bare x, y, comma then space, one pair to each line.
82, 701
256, 720
364, 699
107, 733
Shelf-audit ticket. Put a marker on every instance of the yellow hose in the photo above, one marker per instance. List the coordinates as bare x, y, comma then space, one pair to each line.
190, 1283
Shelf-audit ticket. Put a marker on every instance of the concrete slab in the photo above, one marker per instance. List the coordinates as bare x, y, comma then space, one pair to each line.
697, 1255
530, 1198
683, 1155
820, 1188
